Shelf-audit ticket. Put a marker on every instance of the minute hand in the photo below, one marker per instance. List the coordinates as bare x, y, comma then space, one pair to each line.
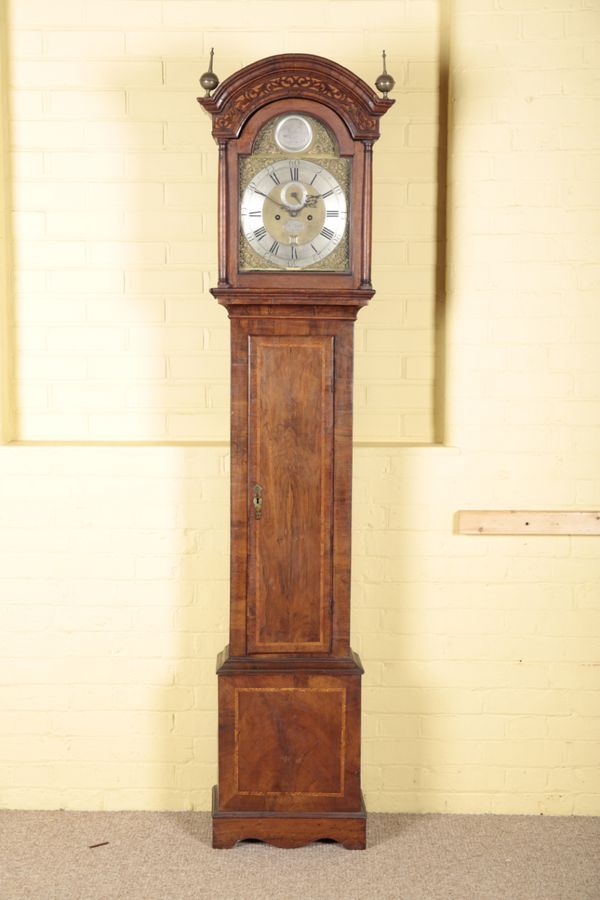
280, 205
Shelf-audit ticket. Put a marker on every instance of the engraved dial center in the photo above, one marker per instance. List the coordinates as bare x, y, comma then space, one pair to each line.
300, 223
293, 195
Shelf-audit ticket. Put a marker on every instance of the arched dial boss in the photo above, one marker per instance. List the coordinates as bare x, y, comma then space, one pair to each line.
293, 213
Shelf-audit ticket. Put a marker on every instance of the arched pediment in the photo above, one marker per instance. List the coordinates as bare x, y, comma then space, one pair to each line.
298, 76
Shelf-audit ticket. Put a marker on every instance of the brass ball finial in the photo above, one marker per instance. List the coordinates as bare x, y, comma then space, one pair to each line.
385, 82
209, 80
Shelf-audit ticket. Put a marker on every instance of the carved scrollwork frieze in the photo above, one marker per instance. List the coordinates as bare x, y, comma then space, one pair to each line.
285, 85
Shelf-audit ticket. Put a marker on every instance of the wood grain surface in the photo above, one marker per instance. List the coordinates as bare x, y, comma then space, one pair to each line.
289, 741
291, 460
499, 521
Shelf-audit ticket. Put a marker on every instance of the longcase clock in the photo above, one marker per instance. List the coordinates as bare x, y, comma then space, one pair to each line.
295, 134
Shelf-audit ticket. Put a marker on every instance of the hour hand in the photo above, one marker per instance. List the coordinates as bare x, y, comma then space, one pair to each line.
311, 200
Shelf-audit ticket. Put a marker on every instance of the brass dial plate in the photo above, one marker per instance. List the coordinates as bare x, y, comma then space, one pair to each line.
289, 224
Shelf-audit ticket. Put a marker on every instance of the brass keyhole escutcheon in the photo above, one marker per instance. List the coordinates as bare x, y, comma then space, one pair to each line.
257, 501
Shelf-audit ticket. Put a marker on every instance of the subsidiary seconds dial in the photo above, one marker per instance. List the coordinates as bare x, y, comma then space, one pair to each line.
293, 213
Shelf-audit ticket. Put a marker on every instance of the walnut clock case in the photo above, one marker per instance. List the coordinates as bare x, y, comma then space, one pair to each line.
295, 134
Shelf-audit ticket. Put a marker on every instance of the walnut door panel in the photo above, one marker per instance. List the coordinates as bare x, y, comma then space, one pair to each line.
289, 742
291, 447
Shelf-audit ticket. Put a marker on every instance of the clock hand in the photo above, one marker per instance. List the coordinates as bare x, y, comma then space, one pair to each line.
280, 205
311, 200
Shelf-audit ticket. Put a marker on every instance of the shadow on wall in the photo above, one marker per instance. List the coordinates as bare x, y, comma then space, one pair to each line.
393, 508
193, 397
443, 235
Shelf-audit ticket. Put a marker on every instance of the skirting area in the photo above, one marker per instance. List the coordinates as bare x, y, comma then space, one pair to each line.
167, 856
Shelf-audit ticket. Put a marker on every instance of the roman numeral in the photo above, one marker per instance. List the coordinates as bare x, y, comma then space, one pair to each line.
260, 233
255, 212
327, 233
273, 175
294, 172
327, 194
274, 248
293, 251
315, 176
333, 212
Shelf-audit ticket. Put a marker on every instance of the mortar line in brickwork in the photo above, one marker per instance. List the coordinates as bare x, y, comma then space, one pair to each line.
408, 445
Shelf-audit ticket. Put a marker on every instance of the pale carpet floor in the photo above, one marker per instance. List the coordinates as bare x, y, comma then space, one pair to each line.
167, 856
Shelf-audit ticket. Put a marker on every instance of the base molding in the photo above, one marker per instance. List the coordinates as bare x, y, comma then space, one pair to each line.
288, 829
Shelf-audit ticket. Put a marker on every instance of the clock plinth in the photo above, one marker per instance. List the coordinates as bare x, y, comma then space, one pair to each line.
289, 750
295, 134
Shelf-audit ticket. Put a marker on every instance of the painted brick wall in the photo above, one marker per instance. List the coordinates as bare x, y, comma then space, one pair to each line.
481, 653
115, 214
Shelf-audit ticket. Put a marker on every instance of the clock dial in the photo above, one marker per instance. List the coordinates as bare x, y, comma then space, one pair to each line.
293, 213
293, 134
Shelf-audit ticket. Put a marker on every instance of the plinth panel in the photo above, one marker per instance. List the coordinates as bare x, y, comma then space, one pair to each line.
289, 741
291, 725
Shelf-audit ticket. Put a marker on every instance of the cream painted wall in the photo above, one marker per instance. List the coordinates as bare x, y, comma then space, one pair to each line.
115, 213
481, 690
